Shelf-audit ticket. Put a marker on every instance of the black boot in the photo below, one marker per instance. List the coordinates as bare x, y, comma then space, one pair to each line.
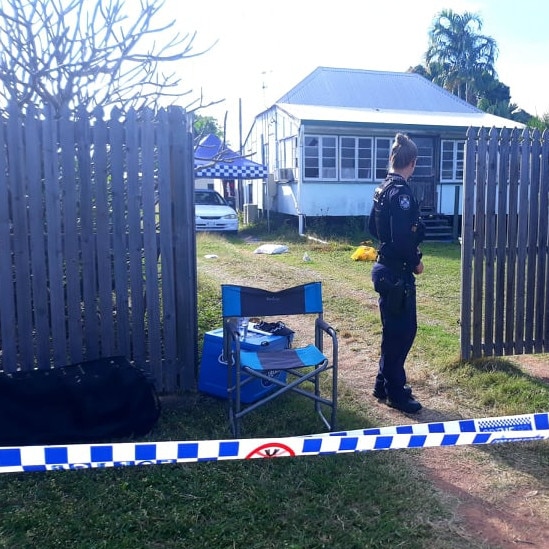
408, 406
380, 394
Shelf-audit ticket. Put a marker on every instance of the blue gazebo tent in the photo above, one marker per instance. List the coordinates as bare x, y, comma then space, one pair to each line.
214, 161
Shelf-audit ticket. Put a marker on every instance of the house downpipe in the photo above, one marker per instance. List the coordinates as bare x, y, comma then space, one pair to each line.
301, 216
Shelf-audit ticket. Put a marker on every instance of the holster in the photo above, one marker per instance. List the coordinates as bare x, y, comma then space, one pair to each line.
394, 293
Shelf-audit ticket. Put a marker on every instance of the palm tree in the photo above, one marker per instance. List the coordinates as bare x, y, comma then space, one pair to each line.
459, 57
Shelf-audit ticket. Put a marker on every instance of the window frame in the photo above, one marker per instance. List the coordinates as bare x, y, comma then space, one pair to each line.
362, 153
380, 172
331, 167
323, 160
455, 160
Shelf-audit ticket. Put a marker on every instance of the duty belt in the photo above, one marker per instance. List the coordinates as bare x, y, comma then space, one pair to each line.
394, 264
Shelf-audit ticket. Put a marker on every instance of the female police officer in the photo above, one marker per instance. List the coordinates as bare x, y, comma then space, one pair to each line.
395, 222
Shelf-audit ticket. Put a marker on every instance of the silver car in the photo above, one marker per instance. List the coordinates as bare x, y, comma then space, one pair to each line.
213, 213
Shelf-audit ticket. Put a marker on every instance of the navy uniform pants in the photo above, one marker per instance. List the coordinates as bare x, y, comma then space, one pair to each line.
397, 307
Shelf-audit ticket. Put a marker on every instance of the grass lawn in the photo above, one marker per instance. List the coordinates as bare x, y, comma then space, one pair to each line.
351, 501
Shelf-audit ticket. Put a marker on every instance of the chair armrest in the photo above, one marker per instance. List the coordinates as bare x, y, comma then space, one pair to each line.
230, 335
325, 327
321, 328
231, 327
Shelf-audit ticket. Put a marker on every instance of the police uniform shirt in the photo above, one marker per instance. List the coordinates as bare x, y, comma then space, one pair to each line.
395, 221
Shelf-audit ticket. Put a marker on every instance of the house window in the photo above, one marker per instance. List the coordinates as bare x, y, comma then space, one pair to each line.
320, 157
349, 158
451, 160
424, 161
355, 158
383, 151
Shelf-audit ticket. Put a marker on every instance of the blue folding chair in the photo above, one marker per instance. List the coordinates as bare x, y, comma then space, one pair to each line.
301, 366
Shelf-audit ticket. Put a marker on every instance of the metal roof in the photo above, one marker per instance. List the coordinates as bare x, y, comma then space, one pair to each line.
395, 117
365, 89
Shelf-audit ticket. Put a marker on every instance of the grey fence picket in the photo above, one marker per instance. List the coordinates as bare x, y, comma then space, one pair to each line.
467, 233
532, 240
21, 253
103, 234
150, 240
185, 250
479, 251
167, 250
512, 232
135, 236
8, 335
119, 233
71, 239
501, 240
522, 246
490, 242
87, 233
34, 178
54, 245
542, 298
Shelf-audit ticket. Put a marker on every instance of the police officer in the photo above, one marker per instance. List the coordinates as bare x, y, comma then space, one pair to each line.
395, 222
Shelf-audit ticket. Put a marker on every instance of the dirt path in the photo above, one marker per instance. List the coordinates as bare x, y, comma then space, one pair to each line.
507, 508
498, 504
499, 495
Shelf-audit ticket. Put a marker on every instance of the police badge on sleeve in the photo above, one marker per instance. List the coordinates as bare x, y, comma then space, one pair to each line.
404, 201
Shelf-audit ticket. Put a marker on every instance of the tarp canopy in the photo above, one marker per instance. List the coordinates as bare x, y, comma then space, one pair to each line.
213, 160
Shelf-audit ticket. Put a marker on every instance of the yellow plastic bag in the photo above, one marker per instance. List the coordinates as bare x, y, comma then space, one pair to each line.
364, 253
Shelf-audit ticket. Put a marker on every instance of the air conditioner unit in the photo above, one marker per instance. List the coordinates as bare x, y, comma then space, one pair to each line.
284, 174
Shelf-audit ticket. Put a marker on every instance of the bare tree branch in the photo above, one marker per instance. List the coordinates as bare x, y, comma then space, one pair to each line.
79, 53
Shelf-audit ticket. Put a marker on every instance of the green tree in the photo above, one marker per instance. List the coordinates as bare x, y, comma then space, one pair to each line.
458, 56
494, 97
203, 125
539, 122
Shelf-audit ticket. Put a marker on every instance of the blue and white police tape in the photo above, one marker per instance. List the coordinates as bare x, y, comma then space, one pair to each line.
521, 428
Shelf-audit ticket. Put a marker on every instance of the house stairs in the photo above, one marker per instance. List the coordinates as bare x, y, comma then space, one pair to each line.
438, 228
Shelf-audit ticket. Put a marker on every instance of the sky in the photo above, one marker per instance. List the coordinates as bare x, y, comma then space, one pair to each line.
260, 49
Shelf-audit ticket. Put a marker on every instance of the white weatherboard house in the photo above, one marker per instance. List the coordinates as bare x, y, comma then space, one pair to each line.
326, 142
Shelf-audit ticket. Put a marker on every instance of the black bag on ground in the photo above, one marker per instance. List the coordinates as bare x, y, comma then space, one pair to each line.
93, 401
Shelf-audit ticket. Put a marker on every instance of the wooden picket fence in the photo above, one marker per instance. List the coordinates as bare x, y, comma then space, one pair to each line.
97, 240
99, 253
505, 270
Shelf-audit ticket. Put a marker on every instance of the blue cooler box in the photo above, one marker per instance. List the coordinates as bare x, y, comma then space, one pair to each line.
212, 378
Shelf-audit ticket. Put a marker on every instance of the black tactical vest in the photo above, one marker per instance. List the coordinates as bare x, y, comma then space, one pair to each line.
382, 211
